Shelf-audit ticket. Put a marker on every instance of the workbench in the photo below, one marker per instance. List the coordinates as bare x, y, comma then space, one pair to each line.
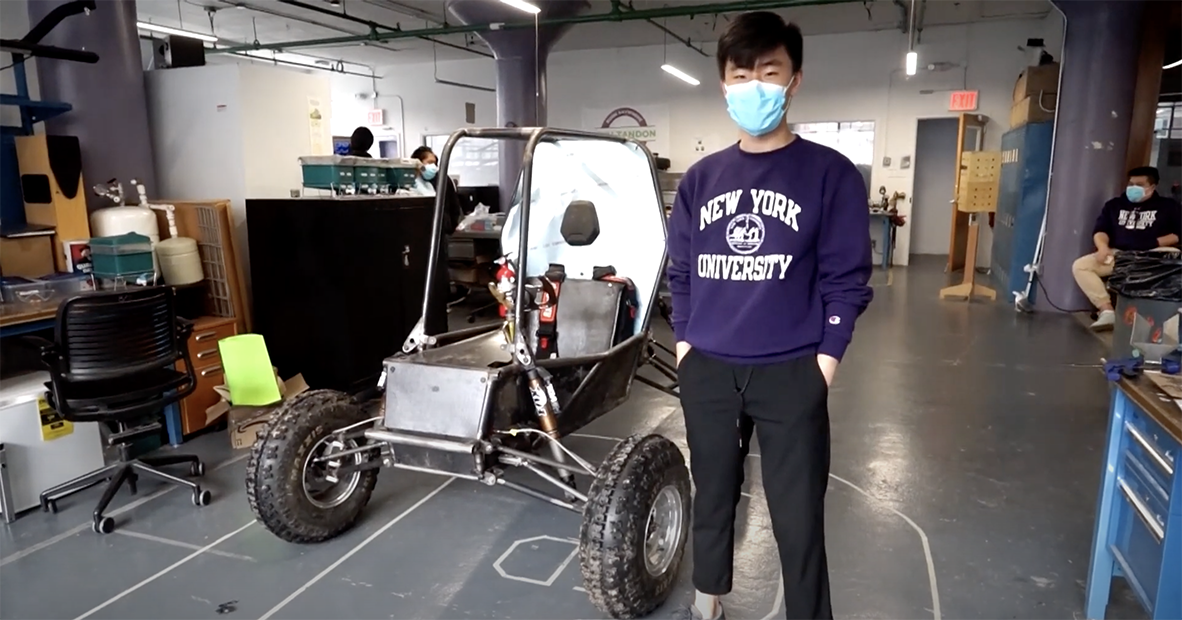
888, 235
17, 319
1138, 532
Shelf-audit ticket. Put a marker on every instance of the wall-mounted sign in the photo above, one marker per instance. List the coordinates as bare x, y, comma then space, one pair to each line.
375, 117
962, 101
648, 124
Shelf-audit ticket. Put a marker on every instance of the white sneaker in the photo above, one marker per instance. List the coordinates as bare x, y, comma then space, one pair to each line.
1104, 322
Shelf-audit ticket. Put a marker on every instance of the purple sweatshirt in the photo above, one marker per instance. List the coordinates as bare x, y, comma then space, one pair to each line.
770, 254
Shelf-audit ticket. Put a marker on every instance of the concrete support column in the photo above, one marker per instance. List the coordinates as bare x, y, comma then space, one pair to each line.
110, 115
1091, 133
521, 69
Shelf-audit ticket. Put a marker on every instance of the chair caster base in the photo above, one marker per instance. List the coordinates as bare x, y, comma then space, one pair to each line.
103, 525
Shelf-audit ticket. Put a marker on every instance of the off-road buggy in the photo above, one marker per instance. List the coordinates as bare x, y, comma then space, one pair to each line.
589, 231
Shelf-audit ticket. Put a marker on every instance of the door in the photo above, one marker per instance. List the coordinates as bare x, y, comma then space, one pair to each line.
970, 137
935, 178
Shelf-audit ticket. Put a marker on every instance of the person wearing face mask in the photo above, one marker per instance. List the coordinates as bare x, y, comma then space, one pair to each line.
1137, 220
426, 183
770, 257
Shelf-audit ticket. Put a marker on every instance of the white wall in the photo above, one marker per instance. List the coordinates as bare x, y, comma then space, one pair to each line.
233, 131
847, 77
276, 126
408, 93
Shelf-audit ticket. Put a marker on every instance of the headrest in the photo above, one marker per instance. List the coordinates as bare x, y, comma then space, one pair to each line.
580, 223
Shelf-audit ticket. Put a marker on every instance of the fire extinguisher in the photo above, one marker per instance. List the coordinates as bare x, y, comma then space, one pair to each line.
505, 278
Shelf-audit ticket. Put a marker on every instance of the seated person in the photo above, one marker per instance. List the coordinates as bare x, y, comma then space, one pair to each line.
1139, 220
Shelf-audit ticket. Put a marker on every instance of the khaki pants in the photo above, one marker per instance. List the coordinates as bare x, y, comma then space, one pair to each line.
1088, 274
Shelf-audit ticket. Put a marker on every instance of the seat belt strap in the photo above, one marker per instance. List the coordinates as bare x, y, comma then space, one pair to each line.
548, 311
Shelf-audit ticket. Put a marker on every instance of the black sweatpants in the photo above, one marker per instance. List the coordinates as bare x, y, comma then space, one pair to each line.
786, 406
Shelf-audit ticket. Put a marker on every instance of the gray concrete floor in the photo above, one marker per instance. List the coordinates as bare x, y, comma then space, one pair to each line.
966, 455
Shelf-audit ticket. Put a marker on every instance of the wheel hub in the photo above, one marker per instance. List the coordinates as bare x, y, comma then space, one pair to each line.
322, 486
662, 535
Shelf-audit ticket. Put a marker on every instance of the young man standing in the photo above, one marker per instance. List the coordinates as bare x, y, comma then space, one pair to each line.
1139, 219
770, 256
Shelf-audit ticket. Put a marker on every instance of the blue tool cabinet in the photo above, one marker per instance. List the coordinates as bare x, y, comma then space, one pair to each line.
1021, 202
1138, 532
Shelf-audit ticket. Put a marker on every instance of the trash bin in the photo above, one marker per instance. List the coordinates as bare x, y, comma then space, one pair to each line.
1148, 286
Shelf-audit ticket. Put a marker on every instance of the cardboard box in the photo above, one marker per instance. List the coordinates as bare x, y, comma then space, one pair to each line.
27, 256
1041, 79
245, 423
1029, 110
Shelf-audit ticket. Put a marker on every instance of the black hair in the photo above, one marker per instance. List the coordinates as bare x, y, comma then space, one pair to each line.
421, 152
362, 139
753, 34
1148, 172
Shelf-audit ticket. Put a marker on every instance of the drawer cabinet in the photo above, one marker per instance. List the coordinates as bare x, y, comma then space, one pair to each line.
207, 365
1139, 519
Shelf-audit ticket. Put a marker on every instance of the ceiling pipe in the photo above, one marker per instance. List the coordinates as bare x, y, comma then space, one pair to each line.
237, 4
616, 4
374, 26
923, 11
611, 16
300, 65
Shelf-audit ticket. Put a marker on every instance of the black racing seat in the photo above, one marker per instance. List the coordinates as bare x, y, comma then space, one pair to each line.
590, 316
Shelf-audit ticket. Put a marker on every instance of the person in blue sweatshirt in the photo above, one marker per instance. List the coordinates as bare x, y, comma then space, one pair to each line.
1140, 219
770, 256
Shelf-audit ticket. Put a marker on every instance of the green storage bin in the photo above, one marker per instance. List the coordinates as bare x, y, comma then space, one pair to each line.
327, 171
122, 255
400, 172
368, 175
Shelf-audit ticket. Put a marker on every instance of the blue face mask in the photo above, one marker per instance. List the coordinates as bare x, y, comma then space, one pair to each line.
1135, 193
429, 171
757, 107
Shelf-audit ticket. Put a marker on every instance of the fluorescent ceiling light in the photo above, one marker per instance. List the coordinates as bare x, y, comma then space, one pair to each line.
1176, 63
176, 32
681, 75
912, 61
522, 5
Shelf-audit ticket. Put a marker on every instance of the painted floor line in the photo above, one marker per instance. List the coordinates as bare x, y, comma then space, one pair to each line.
923, 539
361, 545
183, 545
778, 603
49, 542
163, 572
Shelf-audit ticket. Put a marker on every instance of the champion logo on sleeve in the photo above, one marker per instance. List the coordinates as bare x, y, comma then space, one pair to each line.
835, 320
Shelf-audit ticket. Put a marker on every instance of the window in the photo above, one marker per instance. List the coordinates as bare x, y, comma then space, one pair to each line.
854, 139
475, 161
1166, 153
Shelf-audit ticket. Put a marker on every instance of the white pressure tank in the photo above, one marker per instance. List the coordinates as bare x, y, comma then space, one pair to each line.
114, 221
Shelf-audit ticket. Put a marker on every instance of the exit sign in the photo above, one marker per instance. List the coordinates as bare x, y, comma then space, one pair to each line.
962, 101
376, 117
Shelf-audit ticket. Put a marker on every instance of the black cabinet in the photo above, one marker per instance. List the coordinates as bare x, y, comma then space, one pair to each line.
337, 283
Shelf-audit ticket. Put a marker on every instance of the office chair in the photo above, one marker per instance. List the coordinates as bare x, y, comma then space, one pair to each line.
114, 361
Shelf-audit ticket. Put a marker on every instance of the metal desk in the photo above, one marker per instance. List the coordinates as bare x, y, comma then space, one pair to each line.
888, 236
1138, 532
